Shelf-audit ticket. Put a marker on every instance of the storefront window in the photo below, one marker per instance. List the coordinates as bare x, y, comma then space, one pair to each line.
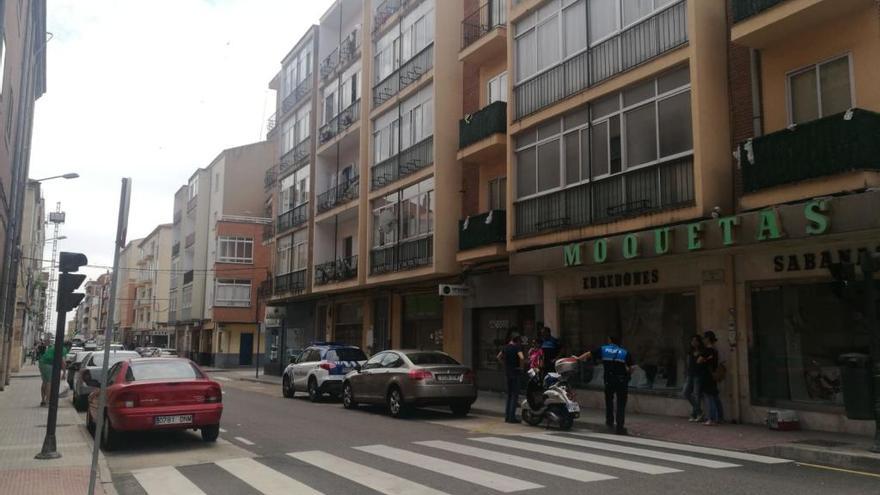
655, 328
423, 322
799, 333
491, 326
349, 324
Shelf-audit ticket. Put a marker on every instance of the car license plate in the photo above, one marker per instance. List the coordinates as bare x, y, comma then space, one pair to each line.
574, 407
448, 378
174, 420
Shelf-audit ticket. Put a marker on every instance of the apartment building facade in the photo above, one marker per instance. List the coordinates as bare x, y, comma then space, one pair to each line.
125, 293
30, 286
151, 288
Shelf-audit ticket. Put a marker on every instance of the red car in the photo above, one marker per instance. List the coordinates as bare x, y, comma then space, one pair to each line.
156, 394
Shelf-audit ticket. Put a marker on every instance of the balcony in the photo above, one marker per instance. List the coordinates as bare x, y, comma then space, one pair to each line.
632, 193
762, 23
484, 33
175, 249
743, 9
329, 64
293, 218
821, 148
481, 230
337, 195
385, 11
334, 271
650, 38
407, 74
296, 157
290, 282
192, 203
187, 277
405, 255
297, 95
340, 123
269, 179
190, 240
270, 124
407, 162
482, 136
341, 57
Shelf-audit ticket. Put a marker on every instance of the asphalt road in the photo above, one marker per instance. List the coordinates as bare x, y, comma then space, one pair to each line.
274, 445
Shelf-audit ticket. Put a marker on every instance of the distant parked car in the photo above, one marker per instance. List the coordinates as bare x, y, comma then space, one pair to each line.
320, 369
92, 367
156, 394
411, 378
76, 360
166, 353
117, 347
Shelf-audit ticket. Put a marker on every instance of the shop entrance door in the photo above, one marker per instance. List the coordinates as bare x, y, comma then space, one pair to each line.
381, 335
245, 349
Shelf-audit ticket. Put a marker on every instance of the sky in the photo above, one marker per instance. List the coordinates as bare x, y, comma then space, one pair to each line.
151, 90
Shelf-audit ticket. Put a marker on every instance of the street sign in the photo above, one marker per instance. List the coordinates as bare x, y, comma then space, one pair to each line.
454, 290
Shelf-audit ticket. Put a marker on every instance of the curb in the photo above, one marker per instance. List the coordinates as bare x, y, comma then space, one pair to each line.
257, 380
105, 479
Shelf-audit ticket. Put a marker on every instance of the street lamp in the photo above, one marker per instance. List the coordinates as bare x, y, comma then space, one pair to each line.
71, 175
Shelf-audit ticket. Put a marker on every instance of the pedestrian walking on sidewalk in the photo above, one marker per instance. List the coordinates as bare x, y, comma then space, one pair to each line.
511, 357
46, 365
697, 372
714, 375
617, 363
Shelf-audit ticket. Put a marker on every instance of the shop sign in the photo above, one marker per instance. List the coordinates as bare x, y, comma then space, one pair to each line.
622, 279
807, 261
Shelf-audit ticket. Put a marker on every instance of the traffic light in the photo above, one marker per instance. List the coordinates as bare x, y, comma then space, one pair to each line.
70, 262
69, 282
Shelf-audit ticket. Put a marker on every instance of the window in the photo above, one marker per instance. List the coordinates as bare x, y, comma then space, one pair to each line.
295, 189
350, 90
347, 247
302, 124
235, 249
172, 300
820, 90
498, 193
497, 88
386, 130
404, 214
416, 118
293, 252
233, 293
187, 295
330, 99
288, 135
396, 47
193, 189
297, 69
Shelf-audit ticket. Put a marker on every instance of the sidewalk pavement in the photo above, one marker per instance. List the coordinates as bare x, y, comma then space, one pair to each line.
22, 429
815, 447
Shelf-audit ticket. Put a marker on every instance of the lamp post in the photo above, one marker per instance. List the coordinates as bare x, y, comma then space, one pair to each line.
70, 175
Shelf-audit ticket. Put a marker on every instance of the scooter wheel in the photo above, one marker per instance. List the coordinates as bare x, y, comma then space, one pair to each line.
530, 419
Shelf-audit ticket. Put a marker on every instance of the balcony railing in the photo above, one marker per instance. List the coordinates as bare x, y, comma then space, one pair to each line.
405, 255
296, 157
190, 240
290, 282
329, 64
407, 74
480, 22
491, 119
336, 271
269, 179
482, 230
743, 9
270, 124
187, 277
635, 45
407, 162
827, 146
337, 195
293, 218
643, 190
175, 249
297, 95
342, 121
384, 11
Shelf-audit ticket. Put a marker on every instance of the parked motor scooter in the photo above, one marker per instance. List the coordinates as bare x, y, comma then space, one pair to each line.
551, 400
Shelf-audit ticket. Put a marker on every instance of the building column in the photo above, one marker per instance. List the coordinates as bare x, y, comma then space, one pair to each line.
453, 341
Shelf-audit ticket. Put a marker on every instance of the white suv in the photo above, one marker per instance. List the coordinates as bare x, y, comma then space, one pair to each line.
320, 369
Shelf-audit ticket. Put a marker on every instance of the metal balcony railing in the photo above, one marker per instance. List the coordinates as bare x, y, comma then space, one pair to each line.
491, 119
329, 64
743, 9
187, 277
340, 194
175, 249
407, 74
827, 146
296, 157
480, 22
342, 121
293, 218
297, 95
384, 11
633, 46
290, 282
482, 230
336, 271
190, 240
405, 255
407, 162
643, 190
269, 179
270, 123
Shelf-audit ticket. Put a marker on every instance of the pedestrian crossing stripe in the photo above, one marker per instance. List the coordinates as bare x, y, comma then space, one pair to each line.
730, 454
264, 478
166, 480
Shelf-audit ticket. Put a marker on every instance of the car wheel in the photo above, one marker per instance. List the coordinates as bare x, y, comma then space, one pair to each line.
80, 402
314, 394
460, 408
109, 436
286, 389
348, 397
396, 407
210, 433
90, 423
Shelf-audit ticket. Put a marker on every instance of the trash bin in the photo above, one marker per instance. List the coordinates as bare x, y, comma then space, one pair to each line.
858, 392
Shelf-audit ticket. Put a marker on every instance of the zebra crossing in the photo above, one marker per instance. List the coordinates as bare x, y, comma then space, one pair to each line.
480, 464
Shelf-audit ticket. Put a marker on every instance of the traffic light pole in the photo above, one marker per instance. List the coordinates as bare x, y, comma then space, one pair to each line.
49, 447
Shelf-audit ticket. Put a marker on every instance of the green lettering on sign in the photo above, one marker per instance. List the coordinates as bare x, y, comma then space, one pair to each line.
600, 251
727, 224
630, 246
662, 240
817, 221
572, 254
695, 240
768, 225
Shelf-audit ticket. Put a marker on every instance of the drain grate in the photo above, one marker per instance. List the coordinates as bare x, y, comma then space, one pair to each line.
821, 443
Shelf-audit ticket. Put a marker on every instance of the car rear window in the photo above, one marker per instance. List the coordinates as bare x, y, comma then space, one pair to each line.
115, 357
350, 354
423, 358
163, 370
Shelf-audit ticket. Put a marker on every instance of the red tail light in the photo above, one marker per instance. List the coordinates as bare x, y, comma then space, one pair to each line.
420, 374
126, 400
467, 377
214, 396
326, 366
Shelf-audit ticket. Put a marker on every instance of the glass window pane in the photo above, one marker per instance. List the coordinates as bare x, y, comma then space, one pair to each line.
804, 101
614, 152
572, 158
638, 93
674, 119
641, 135
577, 118
548, 165
526, 53
599, 149
526, 177
548, 43
605, 106
548, 130
602, 19
634, 10
834, 83
573, 28
585, 154
526, 138
673, 79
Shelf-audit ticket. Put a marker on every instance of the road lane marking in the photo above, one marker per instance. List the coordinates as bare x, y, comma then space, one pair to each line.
547, 468
166, 481
265, 479
620, 449
244, 440
222, 378
639, 467
374, 479
454, 470
732, 454
222, 430
841, 470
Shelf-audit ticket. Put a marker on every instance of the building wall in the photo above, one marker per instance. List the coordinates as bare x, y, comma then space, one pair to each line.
29, 310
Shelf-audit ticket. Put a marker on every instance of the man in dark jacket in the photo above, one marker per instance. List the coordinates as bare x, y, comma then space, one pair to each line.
617, 363
511, 357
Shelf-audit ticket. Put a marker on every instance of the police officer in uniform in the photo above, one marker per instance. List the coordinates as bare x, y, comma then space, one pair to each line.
617, 363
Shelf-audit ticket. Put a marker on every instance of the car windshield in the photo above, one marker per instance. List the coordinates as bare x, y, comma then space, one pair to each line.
348, 354
115, 357
423, 358
163, 370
